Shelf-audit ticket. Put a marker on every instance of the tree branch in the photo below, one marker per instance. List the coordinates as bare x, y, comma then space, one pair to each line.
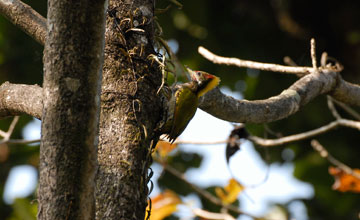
318, 80
6, 135
347, 109
325, 154
17, 99
231, 61
211, 215
313, 54
21, 141
347, 92
23, 16
305, 135
273, 108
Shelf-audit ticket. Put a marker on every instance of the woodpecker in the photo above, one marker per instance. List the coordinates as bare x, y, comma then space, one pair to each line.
183, 104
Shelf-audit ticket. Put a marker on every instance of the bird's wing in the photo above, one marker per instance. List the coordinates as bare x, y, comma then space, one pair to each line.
185, 108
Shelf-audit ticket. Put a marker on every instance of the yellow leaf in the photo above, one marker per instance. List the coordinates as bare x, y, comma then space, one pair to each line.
164, 148
163, 205
231, 191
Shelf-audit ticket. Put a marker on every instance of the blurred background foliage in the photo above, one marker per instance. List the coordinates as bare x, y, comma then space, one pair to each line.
259, 30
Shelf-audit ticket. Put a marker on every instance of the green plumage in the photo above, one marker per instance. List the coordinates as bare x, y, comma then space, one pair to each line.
184, 105
184, 102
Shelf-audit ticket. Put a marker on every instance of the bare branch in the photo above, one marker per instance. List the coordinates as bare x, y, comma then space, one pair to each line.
273, 108
332, 108
324, 58
347, 92
211, 215
302, 70
22, 141
346, 108
291, 138
12, 127
288, 61
7, 135
23, 16
325, 154
252, 64
201, 142
17, 99
2, 133
297, 137
325, 79
313, 54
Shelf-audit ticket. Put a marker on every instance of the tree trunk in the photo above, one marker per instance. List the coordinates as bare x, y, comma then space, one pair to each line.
71, 91
130, 110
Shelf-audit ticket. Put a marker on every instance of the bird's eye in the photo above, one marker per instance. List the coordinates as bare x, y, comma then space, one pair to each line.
198, 73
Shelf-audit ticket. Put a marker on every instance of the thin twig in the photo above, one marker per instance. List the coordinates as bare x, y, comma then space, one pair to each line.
289, 61
201, 192
324, 58
12, 125
7, 135
211, 215
200, 142
267, 130
305, 135
258, 65
264, 142
2, 133
325, 154
313, 54
252, 64
332, 108
22, 141
346, 108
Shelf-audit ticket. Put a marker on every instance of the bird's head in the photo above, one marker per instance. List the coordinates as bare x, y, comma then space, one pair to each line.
205, 81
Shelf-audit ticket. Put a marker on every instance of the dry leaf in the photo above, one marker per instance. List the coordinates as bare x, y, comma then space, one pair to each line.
163, 205
163, 148
233, 144
345, 182
230, 193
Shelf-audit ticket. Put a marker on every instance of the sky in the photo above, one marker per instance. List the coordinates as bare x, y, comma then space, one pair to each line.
265, 184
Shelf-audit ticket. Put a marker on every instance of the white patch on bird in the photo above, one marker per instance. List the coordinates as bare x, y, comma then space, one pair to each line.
72, 84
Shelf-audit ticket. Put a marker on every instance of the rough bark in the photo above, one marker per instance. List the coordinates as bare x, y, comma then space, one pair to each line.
347, 93
17, 99
71, 90
25, 17
130, 110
